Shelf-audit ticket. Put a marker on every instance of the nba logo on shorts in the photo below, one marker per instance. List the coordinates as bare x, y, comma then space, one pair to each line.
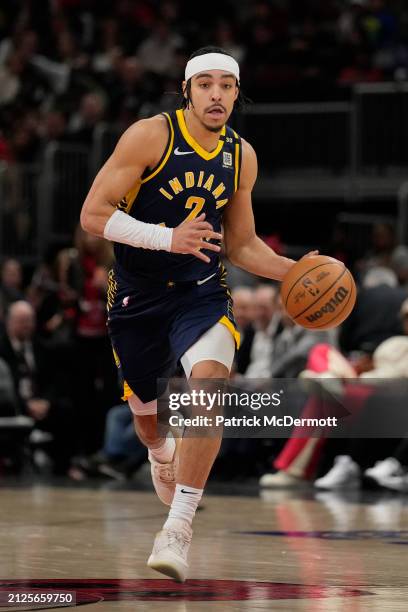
125, 301
227, 159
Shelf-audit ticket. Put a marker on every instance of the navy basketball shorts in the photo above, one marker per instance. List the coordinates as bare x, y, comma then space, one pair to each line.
152, 324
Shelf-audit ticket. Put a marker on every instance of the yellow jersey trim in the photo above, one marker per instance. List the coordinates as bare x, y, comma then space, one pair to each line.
236, 167
230, 326
167, 155
111, 291
193, 143
131, 196
127, 391
116, 358
236, 162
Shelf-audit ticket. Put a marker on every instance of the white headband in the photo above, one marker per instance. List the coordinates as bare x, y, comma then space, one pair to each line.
212, 61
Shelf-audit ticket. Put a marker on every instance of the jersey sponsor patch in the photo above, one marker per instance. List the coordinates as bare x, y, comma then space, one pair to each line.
227, 159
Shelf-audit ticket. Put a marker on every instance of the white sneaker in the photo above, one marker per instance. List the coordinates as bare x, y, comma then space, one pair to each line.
345, 474
384, 469
395, 482
281, 480
170, 549
164, 476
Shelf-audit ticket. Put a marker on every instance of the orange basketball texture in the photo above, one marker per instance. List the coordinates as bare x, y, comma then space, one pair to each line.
318, 292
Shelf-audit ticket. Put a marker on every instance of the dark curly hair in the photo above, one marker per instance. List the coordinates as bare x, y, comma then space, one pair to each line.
241, 99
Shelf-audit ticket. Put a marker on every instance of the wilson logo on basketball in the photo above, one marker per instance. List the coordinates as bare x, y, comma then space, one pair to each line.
318, 292
330, 306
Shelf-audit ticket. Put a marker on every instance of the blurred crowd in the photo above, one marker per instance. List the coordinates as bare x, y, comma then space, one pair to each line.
70, 64
75, 63
350, 366
57, 369
55, 352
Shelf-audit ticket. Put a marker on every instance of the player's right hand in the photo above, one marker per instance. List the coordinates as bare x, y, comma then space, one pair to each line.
191, 236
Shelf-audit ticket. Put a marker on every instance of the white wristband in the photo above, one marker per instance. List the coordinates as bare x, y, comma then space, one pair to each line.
121, 227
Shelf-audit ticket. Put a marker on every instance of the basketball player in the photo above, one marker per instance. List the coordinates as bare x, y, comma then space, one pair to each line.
162, 197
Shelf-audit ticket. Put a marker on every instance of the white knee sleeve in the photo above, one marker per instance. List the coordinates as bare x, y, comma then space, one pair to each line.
217, 344
139, 408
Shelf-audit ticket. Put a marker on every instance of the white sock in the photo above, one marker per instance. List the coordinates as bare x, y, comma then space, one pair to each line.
165, 452
184, 505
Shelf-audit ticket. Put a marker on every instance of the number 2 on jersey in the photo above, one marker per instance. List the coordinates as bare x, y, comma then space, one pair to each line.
192, 201
197, 203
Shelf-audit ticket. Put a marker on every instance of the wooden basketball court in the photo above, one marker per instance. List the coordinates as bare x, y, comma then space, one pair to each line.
276, 551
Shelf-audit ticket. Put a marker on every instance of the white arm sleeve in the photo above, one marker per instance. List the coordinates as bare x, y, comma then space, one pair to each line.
121, 227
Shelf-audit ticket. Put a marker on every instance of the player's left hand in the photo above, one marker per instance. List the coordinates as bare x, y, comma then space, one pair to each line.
191, 236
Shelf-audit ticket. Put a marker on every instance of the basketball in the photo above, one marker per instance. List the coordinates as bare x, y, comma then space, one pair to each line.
318, 292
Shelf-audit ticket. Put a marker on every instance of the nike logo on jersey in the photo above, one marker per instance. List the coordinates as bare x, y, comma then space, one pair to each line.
177, 152
201, 282
189, 492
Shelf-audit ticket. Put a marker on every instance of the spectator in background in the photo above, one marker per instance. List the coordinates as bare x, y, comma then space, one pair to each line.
122, 453
13, 437
225, 38
291, 347
356, 456
349, 29
392, 472
254, 360
404, 316
158, 52
25, 140
243, 299
399, 263
267, 319
380, 253
288, 51
84, 270
11, 284
53, 127
55, 303
129, 90
10, 79
41, 387
300, 457
109, 48
376, 314
82, 124
22, 82
8, 399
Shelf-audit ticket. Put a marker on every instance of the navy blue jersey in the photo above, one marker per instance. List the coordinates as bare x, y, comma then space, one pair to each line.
187, 181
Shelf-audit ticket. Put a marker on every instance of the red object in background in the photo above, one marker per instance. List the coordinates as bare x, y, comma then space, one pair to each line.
5, 153
274, 242
92, 318
353, 74
355, 398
